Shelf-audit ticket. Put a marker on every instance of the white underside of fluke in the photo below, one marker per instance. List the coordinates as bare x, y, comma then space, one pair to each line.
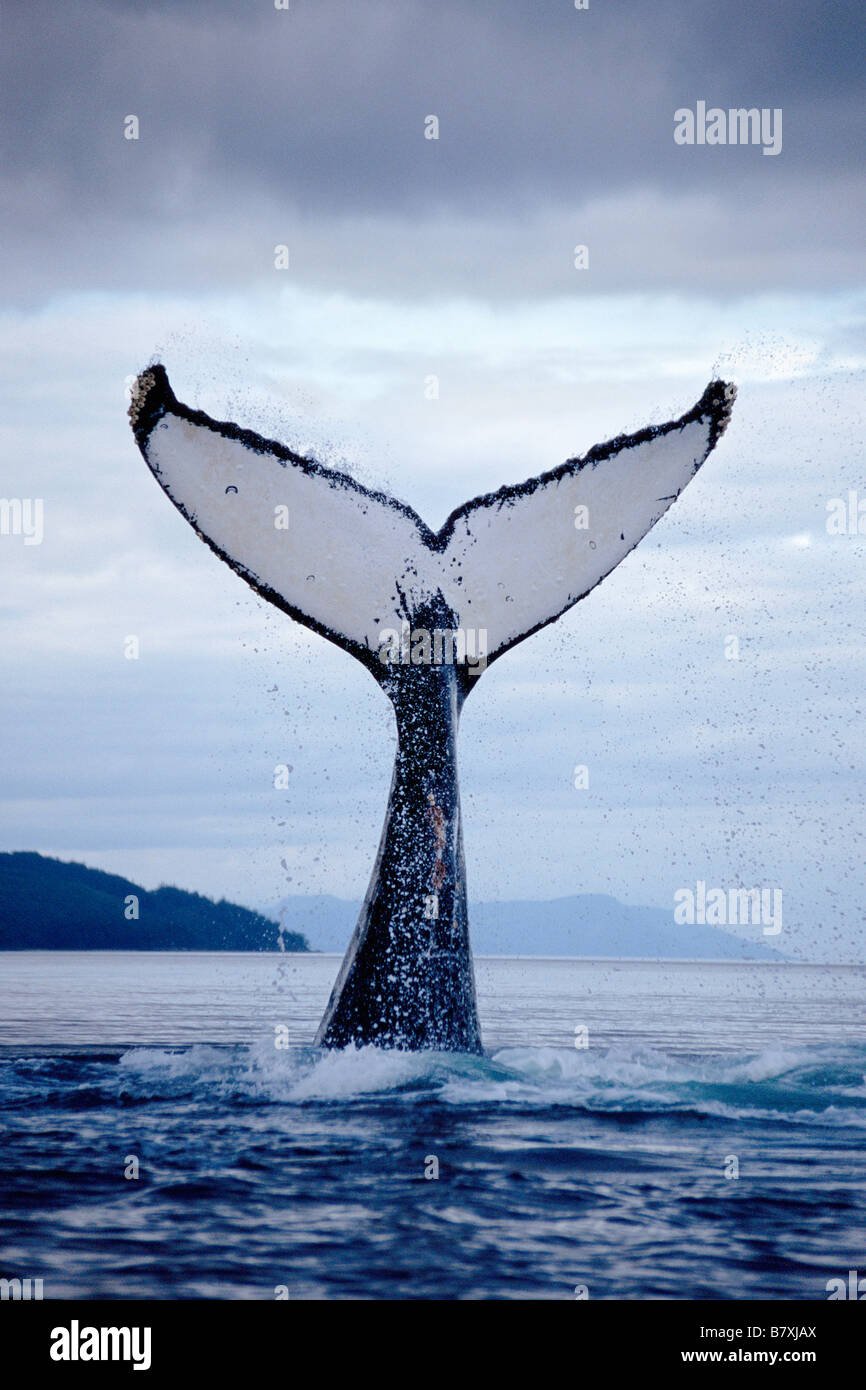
524, 561
356, 563
339, 559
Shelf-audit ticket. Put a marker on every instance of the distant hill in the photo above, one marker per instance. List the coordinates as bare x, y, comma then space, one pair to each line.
46, 904
586, 925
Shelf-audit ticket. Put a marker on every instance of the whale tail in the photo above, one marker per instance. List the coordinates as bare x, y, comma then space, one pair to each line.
425, 611
364, 570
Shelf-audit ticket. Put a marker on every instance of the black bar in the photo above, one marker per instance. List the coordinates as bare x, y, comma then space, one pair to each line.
287, 1339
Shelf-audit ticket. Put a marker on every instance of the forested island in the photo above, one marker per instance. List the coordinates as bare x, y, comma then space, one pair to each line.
46, 904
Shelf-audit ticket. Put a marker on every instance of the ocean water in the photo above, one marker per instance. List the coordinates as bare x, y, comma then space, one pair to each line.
563, 1169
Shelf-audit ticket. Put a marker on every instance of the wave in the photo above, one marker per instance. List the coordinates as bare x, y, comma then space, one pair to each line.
824, 1084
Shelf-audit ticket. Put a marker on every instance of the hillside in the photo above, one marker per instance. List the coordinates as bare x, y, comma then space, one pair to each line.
589, 925
46, 904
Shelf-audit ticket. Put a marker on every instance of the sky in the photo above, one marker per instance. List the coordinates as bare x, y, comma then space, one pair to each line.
712, 685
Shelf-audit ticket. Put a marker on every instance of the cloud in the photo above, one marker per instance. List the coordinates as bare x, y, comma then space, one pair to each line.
306, 128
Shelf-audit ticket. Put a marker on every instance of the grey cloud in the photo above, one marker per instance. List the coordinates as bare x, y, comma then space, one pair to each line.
319, 112
639, 239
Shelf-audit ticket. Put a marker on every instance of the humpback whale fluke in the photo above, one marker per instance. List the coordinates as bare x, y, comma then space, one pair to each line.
425, 612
